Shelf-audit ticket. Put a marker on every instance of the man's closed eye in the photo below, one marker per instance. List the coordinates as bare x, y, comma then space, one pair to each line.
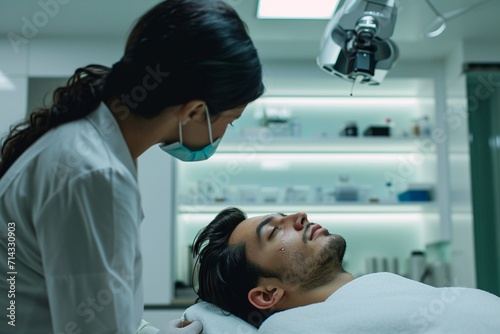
272, 232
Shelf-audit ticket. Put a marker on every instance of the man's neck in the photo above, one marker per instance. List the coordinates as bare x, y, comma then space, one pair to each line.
324, 292
301, 298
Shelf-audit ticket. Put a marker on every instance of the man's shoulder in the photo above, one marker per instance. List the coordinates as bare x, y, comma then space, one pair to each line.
376, 283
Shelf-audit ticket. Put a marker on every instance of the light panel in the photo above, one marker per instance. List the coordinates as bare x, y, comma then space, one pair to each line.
296, 9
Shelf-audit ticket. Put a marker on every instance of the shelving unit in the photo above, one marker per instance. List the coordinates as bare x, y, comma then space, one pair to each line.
257, 159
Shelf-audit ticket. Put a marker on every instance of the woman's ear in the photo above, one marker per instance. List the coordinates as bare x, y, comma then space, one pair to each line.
192, 110
265, 298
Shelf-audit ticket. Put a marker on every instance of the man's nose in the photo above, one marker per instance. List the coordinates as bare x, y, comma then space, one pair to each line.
299, 220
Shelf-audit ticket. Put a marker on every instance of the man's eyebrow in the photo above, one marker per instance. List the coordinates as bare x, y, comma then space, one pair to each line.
264, 222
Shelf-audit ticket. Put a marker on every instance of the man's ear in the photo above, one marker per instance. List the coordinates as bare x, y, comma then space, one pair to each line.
192, 110
265, 297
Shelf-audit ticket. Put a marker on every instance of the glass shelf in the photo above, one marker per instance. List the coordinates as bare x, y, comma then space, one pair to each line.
307, 154
328, 145
376, 208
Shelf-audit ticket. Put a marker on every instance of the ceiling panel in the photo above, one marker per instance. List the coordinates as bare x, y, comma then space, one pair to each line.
276, 39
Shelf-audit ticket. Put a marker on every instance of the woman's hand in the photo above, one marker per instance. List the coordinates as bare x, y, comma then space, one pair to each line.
180, 326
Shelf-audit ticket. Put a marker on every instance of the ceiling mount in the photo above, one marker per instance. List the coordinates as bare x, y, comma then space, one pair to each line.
438, 26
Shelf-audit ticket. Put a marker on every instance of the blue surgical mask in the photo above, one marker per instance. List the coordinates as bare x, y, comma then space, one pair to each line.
181, 152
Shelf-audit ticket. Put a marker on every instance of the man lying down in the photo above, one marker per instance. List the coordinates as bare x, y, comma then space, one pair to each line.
261, 266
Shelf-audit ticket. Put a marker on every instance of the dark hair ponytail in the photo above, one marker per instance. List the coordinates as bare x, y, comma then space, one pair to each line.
77, 99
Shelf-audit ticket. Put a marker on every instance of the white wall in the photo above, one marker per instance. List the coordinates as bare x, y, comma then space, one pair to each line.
45, 58
477, 51
13, 102
13, 85
61, 57
305, 78
156, 185
14, 61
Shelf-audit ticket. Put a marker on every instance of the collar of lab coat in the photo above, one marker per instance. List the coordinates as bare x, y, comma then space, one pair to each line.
107, 126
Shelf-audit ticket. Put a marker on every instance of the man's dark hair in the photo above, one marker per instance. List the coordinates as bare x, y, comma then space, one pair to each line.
225, 274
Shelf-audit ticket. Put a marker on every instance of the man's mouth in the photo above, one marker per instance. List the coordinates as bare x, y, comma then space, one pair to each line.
316, 230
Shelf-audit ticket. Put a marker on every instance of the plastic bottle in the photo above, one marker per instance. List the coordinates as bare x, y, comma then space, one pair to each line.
295, 128
289, 195
390, 124
416, 128
319, 195
391, 193
417, 265
425, 127
351, 129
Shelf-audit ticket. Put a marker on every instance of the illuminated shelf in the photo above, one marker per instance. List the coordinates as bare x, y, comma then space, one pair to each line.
256, 166
376, 208
325, 145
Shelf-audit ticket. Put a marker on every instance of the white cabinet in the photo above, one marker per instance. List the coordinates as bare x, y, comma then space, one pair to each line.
298, 161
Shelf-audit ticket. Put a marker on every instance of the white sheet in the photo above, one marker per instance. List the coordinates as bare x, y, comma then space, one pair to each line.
173, 327
387, 303
216, 322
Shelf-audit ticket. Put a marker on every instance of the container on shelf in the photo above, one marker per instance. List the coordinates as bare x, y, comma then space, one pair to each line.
350, 130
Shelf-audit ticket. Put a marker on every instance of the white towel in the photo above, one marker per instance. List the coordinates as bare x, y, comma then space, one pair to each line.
173, 327
214, 321
386, 303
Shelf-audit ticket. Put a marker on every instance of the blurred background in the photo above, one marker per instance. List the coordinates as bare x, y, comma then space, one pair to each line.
407, 171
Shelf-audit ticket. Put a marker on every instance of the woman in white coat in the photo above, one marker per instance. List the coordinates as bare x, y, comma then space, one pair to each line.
70, 208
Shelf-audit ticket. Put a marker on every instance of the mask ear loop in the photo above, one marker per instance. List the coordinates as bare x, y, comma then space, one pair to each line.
209, 126
180, 133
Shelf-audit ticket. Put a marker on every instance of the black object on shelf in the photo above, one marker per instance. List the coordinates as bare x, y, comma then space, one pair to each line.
377, 131
350, 130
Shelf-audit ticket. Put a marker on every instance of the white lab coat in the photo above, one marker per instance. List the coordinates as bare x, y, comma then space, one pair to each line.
73, 198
